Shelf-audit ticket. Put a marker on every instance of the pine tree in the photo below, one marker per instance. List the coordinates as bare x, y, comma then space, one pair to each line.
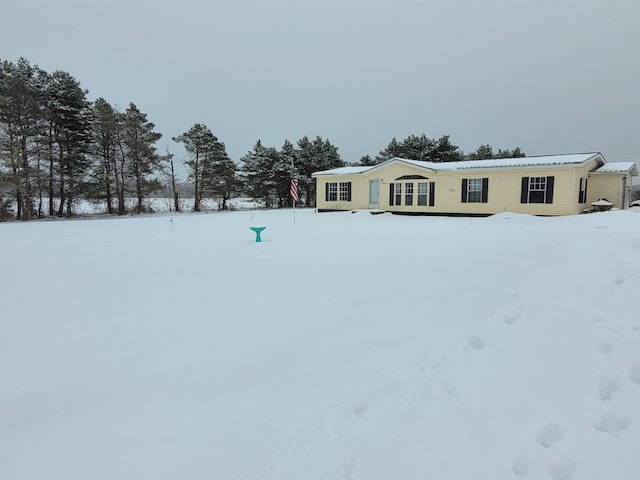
412, 148
206, 153
169, 173
486, 152
20, 117
106, 124
69, 115
445, 151
222, 181
142, 160
315, 155
258, 175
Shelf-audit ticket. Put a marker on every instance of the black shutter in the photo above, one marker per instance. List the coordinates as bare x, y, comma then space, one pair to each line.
348, 191
432, 193
549, 196
524, 193
463, 194
580, 192
326, 192
391, 194
585, 190
485, 190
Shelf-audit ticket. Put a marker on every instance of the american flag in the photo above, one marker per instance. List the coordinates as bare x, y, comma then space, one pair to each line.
294, 186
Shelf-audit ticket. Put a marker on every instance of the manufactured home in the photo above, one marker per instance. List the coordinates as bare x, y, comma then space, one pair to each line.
545, 185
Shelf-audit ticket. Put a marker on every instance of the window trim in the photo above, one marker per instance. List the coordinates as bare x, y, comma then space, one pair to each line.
423, 196
408, 194
398, 193
331, 192
547, 192
466, 190
344, 191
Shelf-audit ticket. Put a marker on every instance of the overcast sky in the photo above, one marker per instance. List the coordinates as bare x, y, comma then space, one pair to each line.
550, 77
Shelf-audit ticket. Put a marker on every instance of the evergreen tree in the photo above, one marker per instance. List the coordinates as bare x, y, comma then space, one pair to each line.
106, 125
445, 151
222, 181
201, 146
69, 115
258, 173
412, 148
486, 152
483, 152
169, 173
366, 161
142, 160
515, 153
421, 148
314, 156
20, 117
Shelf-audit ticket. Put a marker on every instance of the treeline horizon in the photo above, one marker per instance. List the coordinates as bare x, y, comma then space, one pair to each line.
57, 146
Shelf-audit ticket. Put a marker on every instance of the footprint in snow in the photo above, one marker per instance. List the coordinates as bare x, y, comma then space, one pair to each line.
339, 471
512, 315
610, 423
562, 470
550, 434
620, 279
634, 373
337, 422
604, 347
522, 466
476, 343
606, 389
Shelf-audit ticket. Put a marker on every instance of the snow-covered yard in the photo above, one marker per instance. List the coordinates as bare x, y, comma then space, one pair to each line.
349, 346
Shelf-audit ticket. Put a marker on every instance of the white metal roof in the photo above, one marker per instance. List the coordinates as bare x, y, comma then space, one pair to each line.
618, 167
343, 171
497, 163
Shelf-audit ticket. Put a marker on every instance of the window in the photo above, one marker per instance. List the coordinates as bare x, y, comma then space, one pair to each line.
537, 190
331, 192
582, 191
475, 190
345, 191
408, 193
423, 193
474, 193
426, 193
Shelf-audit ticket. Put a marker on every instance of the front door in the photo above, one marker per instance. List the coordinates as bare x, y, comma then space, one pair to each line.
374, 193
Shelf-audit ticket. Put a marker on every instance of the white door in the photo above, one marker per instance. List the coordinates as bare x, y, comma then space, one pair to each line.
374, 193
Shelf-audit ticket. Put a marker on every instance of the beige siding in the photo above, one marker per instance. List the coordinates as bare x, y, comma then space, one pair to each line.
504, 189
609, 186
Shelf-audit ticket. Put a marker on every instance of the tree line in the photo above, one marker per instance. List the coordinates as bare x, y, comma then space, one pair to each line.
56, 147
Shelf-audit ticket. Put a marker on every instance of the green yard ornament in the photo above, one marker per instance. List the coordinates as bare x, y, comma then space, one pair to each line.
257, 230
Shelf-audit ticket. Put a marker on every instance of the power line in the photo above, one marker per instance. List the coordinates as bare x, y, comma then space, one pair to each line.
622, 154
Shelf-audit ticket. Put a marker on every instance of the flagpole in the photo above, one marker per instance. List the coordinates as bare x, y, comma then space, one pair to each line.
294, 191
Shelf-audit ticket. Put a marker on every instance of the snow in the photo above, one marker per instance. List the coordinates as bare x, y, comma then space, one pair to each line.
344, 171
349, 346
541, 161
618, 167
602, 202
